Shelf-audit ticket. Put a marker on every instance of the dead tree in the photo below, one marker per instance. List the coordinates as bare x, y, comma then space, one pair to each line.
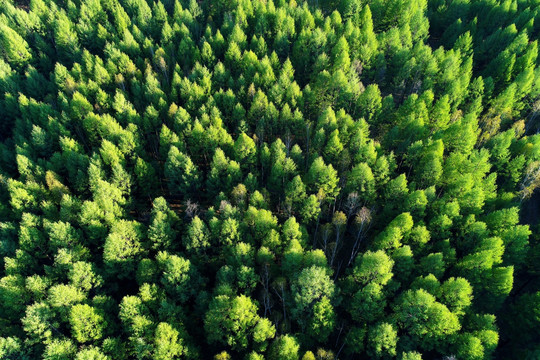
363, 222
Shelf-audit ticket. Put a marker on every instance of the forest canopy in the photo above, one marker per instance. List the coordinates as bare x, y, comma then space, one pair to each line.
259, 179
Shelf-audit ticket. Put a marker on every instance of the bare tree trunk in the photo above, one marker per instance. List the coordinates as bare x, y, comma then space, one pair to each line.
266, 295
363, 218
281, 295
334, 250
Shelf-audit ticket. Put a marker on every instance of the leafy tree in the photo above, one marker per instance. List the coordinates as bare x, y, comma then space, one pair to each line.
323, 177
260, 222
15, 49
196, 238
456, 294
161, 231
411, 355
368, 303
284, 348
313, 284
333, 148
13, 295
224, 173
66, 38
168, 345
361, 181
424, 319
91, 353
86, 323
83, 276
63, 297
382, 340
60, 349
179, 277
373, 267
310, 209
245, 150
182, 174
340, 53
234, 322
324, 320
123, 248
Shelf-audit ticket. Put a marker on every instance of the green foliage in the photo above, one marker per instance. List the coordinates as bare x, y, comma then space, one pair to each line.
323, 178
167, 342
196, 238
122, 248
86, 324
234, 322
284, 348
224, 173
382, 340
324, 320
313, 284
182, 174
315, 179
373, 267
425, 320
14, 48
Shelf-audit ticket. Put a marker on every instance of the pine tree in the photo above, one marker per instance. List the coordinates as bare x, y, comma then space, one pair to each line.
14, 48
181, 173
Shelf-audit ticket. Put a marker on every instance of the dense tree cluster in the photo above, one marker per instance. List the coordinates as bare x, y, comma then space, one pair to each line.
269, 179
